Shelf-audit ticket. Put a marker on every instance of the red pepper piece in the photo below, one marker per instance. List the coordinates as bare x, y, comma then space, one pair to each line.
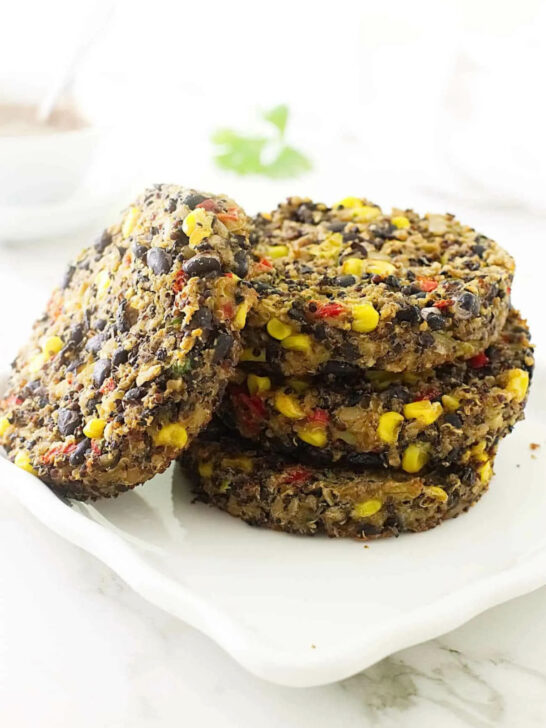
230, 215
444, 303
329, 310
479, 361
265, 263
209, 205
95, 447
319, 417
14, 400
228, 310
179, 281
296, 475
430, 393
108, 386
427, 284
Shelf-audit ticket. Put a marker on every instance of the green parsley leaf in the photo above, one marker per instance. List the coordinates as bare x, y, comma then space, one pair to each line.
278, 116
288, 163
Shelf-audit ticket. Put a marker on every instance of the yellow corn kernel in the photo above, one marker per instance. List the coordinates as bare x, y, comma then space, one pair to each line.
277, 329
102, 282
434, 491
5, 424
22, 460
205, 469
379, 267
257, 385
349, 202
130, 221
485, 472
37, 362
425, 412
242, 462
367, 508
298, 385
288, 406
52, 345
518, 383
415, 457
451, 403
250, 355
365, 318
400, 221
173, 435
94, 428
297, 342
353, 267
266, 215
381, 379
365, 213
477, 452
313, 435
389, 427
329, 248
239, 319
197, 225
277, 251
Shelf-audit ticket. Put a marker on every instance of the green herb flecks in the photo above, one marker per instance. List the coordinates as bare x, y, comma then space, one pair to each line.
178, 370
245, 154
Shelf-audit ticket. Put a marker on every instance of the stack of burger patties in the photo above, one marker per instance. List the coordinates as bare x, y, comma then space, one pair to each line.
383, 364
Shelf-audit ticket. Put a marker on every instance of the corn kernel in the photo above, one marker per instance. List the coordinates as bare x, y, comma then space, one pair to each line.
52, 345
389, 427
477, 452
297, 342
173, 435
242, 462
365, 213
365, 318
197, 225
239, 319
434, 491
367, 508
400, 221
102, 282
250, 355
130, 221
313, 435
37, 362
353, 267
415, 457
277, 251
329, 248
485, 472
518, 383
277, 329
94, 428
288, 406
5, 424
257, 385
379, 267
205, 469
298, 385
22, 460
381, 379
425, 412
349, 202
451, 403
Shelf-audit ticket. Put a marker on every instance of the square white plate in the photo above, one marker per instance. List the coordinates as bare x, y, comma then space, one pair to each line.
307, 611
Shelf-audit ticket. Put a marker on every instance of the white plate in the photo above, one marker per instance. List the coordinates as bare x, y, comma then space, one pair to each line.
307, 611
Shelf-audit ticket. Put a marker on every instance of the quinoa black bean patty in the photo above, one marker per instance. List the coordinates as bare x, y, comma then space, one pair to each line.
281, 494
349, 287
135, 348
387, 418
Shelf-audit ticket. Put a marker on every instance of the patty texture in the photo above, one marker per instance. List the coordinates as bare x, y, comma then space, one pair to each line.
348, 287
378, 418
134, 350
279, 493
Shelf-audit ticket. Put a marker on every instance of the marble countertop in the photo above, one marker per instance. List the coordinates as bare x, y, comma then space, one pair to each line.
78, 647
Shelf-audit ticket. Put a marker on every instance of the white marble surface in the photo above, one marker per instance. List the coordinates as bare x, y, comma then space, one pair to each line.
78, 648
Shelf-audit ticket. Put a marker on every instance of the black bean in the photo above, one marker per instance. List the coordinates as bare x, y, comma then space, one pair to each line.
411, 290
344, 281
392, 282
100, 324
339, 368
426, 339
384, 232
478, 250
75, 334
412, 314
469, 302
223, 345
91, 405
134, 393
434, 318
200, 265
193, 199
397, 391
337, 226
159, 261
67, 276
304, 213
260, 287
68, 421
120, 357
366, 459
78, 455
101, 370
241, 263
139, 251
454, 420
103, 241
121, 320
202, 319
161, 354
352, 236
94, 344
171, 205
